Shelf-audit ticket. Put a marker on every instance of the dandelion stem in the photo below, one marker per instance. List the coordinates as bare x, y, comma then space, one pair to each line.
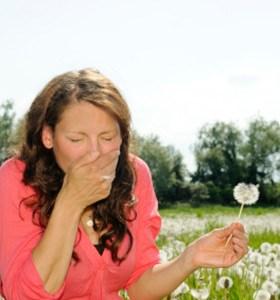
238, 218
240, 211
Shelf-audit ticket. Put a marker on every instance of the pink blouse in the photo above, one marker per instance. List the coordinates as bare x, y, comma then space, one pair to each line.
95, 276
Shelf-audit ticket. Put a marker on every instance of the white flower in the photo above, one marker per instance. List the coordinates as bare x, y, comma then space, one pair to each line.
275, 276
270, 286
200, 294
251, 277
163, 255
224, 282
246, 193
237, 269
266, 247
276, 248
255, 257
183, 288
261, 295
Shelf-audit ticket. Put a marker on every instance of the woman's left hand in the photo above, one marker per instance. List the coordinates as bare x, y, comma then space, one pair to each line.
212, 249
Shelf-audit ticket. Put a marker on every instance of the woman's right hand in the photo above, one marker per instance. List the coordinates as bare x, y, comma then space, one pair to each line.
89, 179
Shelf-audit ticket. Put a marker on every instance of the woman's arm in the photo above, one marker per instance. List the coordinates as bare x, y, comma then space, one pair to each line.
52, 255
208, 251
83, 185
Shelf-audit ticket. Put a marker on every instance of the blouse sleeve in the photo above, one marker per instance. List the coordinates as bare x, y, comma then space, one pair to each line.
149, 222
18, 236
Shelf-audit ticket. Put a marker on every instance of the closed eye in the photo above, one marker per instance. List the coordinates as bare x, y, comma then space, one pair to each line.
75, 140
107, 139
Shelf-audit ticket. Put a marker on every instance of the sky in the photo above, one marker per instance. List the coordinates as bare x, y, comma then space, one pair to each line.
179, 64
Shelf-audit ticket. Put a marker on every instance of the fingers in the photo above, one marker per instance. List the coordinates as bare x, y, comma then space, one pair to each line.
106, 161
238, 226
239, 239
85, 159
97, 161
228, 230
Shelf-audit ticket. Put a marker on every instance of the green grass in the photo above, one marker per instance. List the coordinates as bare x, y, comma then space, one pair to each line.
200, 212
257, 238
243, 289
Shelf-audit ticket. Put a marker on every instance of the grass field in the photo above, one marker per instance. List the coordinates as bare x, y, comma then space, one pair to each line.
185, 209
257, 276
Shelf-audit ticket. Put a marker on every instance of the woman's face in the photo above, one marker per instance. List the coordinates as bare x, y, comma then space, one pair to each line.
83, 128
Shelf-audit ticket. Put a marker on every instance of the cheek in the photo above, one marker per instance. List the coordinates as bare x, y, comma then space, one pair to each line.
66, 153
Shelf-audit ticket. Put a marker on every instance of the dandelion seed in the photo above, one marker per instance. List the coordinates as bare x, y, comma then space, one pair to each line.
225, 282
179, 246
256, 258
276, 248
246, 193
261, 295
163, 256
265, 247
270, 287
275, 276
200, 294
182, 289
237, 269
251, 277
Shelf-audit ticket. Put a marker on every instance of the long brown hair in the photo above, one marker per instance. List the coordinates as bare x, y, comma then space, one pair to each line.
46, 177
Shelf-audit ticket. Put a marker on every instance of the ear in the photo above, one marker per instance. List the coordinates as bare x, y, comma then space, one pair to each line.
47, 136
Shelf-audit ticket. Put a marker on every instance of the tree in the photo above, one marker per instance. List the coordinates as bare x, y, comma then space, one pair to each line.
226, 156
166, 164
217, 154
7, 116
261, 151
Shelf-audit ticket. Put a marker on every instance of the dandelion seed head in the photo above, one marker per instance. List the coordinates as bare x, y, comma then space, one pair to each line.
265, 247
163, 255
246, 193
276, 248
183, 288
255, 257
200, 294
251, 277
270, 287
225, 282
261, 295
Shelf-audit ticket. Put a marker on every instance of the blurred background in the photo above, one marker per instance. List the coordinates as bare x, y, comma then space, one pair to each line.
202, 80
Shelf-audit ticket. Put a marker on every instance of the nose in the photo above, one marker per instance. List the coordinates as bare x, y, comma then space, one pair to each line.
94, 145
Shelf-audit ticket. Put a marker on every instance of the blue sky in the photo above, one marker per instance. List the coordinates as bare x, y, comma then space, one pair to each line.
179, 64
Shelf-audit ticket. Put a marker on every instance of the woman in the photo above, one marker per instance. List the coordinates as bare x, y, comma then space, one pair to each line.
79, 213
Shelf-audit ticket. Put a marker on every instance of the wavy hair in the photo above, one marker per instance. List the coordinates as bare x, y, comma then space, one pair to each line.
46, 177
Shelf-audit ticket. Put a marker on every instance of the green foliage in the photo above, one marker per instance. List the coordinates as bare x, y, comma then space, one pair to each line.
167, 167
226, 156
216, 154
7, 116
261, 151
243, 287
185, 209
198, 193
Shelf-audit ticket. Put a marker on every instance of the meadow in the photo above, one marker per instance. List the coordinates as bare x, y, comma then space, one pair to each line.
256, 276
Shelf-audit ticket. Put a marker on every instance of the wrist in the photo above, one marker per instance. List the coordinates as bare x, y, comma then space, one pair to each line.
67, 208
189, 257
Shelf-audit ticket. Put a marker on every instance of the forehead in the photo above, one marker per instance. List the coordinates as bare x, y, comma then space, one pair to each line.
83, 114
